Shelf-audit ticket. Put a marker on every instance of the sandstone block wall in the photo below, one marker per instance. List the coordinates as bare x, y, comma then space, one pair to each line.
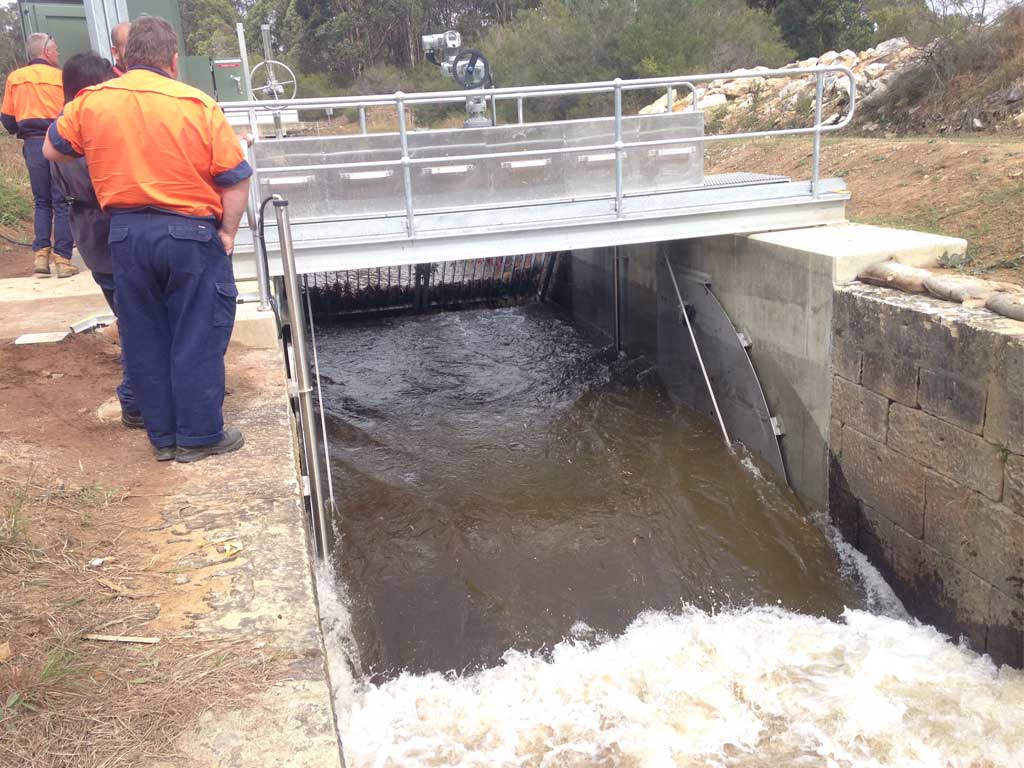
926, 464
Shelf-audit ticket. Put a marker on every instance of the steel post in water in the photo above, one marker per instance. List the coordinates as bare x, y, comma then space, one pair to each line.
819, 93
616, 300
302, 378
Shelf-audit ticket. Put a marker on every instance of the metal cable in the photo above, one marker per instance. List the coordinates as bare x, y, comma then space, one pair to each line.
320, 399
696, 349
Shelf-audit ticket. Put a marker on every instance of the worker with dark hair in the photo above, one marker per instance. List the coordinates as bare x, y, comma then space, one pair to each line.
168, 168
89, 224
33, 97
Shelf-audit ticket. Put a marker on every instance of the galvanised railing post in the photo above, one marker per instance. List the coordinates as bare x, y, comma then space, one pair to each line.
410, 222
362, 120
670, 98
819, 93
519, 109
494, 111
618, 148
259, 248
303, 381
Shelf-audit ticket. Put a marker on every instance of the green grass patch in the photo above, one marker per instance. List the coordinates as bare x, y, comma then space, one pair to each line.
15, 202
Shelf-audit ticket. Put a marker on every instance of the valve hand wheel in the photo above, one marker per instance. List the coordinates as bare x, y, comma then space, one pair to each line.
273, 81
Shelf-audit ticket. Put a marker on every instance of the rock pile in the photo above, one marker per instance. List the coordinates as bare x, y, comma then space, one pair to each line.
760, 103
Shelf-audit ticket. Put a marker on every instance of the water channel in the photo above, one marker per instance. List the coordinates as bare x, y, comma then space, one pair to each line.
544, 562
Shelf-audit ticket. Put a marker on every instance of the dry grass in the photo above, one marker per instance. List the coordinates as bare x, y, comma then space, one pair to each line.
970, 187
69, 702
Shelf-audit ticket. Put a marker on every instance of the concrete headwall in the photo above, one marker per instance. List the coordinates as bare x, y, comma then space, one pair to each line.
927, 458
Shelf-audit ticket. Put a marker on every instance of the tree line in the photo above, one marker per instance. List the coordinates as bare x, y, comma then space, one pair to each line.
363, 45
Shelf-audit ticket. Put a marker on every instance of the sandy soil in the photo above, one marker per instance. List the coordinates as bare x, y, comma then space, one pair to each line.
84, 549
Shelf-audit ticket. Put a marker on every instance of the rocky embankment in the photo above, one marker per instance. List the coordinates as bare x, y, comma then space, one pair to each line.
756, 102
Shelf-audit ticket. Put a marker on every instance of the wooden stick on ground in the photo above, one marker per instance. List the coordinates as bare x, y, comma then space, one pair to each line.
122, 639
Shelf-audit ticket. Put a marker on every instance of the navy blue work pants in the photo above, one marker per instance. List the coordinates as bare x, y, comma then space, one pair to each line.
51, 212
125, 394
176, 296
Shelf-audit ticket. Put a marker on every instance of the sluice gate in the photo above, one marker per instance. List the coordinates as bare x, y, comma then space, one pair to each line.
419, 219
499, 281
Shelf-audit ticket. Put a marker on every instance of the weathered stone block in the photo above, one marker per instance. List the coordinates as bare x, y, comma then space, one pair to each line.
835, 436
894, 377
843, 506
875, 535
952, 399
984, 537
953, 599
891, 483
910, 563
1013, 483
1004, 420
947, 449
862, 409
1005, 630
846, 357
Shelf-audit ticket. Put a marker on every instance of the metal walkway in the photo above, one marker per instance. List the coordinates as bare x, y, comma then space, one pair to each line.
729, 204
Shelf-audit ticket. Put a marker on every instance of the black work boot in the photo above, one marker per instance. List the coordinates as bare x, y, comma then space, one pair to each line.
231, 441
132, 420
167, 453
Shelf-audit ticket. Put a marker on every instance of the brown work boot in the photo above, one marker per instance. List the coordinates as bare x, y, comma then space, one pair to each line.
41, 265
64, 267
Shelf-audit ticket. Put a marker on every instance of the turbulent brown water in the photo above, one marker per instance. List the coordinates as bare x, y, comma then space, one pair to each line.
543, 562
502, 480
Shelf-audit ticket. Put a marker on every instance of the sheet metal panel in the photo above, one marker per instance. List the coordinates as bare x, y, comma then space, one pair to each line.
733, 379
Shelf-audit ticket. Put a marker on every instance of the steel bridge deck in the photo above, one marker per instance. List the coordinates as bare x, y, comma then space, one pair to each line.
733, 203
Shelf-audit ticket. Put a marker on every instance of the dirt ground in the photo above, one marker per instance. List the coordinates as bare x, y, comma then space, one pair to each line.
15, 260
83, 551
970, 187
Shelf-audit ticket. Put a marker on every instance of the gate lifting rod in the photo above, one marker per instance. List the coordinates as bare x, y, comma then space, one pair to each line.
305, 388
696, 349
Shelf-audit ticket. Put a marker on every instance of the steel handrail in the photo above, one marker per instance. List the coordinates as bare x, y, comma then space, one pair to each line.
564, 89
400, 101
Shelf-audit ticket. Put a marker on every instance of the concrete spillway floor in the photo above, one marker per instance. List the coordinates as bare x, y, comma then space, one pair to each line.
172, 530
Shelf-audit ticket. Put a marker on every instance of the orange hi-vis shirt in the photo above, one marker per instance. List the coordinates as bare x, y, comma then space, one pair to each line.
33, 97
151, 141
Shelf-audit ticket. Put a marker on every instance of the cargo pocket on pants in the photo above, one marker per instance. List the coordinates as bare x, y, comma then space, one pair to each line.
224, 308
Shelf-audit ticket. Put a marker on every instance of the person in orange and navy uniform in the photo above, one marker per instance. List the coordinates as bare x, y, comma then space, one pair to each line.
33, 97
167, 167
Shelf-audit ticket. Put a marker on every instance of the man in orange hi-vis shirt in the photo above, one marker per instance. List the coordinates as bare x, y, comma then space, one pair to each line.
167, 167
33, 97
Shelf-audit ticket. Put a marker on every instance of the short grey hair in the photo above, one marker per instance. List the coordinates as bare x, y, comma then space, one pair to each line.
35, 44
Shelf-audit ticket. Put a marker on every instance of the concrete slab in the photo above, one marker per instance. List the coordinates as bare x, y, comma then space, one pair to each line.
854, 247
254, 329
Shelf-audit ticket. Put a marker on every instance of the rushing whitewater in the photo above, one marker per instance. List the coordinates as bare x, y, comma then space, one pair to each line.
757, 687
521, 507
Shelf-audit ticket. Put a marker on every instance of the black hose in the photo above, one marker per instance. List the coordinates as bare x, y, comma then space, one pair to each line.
262, 254
13, 241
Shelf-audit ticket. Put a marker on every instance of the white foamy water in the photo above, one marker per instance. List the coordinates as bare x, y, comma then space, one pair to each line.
755, 687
